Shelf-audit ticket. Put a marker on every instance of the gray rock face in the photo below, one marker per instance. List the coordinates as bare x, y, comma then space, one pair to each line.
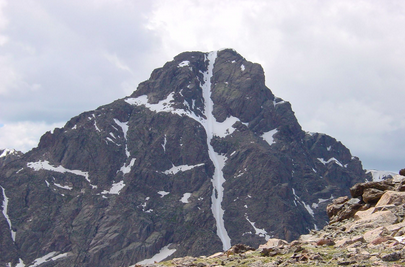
8, 155
200, 157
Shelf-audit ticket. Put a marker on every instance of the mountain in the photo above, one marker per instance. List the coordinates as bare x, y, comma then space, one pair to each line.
200, 157
380, 175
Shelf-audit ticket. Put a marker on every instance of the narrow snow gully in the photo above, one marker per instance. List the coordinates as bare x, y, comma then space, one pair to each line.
5, 212
219, 161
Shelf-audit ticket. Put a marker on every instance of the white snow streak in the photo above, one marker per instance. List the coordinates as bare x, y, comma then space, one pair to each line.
181, 168
258, 231
5, 212
61, 186
330, 160
210, 126
44, 165
307, 207
278, 101
161, 255
164, 144
48, 257
124, 128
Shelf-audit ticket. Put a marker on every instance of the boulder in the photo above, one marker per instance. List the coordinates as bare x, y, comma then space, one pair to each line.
372, 219
274, 242
372, 195
340, 212
373, 234
343, 242
394, 256
391, 197
358, 189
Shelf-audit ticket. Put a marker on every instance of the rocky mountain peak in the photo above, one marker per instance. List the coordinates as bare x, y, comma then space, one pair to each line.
200, 157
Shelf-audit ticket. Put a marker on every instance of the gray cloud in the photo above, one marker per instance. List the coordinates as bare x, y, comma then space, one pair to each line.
340, 63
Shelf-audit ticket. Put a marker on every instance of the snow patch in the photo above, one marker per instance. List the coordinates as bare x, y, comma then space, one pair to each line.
47, 258
163, 193
258, 231
44, 165
127, 169
268, 136
115, 188
221, 129
7, 152
19, 264
380, 175
161, 255
321, 200
242, 67
181, 168
144, 204
184, 64
185, 198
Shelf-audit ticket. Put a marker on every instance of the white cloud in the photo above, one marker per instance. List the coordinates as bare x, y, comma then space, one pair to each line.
340, 62
23, 136
113, 59
3, 22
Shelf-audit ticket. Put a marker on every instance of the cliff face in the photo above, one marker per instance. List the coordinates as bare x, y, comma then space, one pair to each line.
200, 157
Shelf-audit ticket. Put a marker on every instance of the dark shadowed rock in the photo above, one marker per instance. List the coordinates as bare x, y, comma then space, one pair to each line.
372, 195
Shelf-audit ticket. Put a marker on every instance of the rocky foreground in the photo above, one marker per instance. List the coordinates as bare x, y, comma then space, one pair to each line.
366, 230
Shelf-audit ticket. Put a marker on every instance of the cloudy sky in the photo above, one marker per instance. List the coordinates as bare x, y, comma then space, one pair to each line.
340, 63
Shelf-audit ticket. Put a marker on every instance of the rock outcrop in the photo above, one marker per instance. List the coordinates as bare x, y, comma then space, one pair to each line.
8, 155
201, 157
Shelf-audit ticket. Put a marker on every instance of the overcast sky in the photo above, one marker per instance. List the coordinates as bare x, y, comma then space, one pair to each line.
340, 63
